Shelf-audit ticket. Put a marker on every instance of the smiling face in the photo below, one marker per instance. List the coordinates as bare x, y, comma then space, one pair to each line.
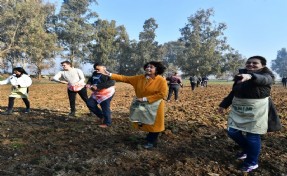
253, 64
150, 70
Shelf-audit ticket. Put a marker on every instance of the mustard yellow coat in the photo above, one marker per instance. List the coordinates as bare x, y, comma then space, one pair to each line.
153, 89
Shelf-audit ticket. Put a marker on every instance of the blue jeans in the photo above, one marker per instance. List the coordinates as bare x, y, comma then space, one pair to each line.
250, 143
104, 112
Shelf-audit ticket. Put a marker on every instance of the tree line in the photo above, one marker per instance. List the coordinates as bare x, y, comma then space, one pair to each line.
33, 34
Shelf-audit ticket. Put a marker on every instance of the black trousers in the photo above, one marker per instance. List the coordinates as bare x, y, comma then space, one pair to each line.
192, 84
72, 97
152, 137
11, 103
173, 88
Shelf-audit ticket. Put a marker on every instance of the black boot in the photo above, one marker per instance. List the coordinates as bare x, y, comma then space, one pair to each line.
8, 112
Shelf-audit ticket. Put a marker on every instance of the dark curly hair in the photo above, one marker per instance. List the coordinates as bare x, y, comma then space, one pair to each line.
160, 68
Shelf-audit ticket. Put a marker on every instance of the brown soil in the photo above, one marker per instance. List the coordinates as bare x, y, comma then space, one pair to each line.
48, 142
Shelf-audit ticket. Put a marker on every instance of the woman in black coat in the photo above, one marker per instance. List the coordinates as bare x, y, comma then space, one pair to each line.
248, 118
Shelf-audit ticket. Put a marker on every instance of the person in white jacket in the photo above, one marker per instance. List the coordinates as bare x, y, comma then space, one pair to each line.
20, 82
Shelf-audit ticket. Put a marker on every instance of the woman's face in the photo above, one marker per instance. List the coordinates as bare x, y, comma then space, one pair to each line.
17, 72
150, 70
253, 64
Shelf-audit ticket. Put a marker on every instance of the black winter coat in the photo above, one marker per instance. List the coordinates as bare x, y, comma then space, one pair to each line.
101, 81
259, 86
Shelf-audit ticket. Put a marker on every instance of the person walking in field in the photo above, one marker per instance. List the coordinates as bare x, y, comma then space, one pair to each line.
248, 118
150, 89
175, 83
75, 80
198, 82
193, 80
204, 81
103, 89
20, 82
284, 81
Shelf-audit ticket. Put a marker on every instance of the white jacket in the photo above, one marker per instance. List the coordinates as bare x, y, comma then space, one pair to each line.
22, 81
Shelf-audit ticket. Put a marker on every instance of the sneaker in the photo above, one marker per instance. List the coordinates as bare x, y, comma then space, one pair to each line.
8, 112
148, 146
249, 168
241, 156
27, 111
103, 126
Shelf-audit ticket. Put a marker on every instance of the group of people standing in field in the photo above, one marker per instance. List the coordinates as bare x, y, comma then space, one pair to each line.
249, 100
102, 86
196, 81
175, 82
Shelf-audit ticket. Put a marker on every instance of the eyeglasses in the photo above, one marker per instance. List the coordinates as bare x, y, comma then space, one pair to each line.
254, 63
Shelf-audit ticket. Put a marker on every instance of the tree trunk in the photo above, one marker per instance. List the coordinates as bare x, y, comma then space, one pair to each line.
39, 74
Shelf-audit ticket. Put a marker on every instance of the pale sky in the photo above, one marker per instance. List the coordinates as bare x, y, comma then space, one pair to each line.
254, 27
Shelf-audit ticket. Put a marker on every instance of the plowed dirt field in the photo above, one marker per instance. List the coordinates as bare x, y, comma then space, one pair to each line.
48, 142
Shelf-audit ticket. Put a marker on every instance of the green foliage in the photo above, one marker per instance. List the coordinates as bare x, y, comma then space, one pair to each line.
14, 24
129, 59
230, 63
147, 48
40, 45
32, 33
74, 29
279, 65
171, 51
204, 44
132, 55
24, 38
109, 44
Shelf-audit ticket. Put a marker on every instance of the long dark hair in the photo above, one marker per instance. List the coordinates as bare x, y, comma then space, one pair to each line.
21, 70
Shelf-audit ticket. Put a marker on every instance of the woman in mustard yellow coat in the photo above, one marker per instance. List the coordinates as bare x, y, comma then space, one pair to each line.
149, 87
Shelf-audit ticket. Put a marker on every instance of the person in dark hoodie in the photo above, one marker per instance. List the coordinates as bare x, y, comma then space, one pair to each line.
248, 118
103, 91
